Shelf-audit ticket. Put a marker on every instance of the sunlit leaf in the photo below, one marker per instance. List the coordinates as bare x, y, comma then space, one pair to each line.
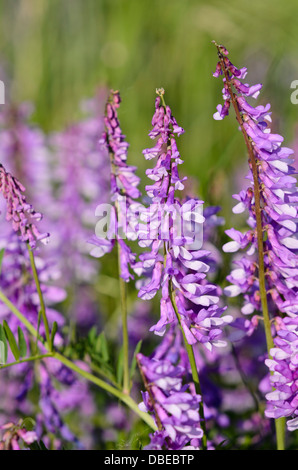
22, 343
11, 340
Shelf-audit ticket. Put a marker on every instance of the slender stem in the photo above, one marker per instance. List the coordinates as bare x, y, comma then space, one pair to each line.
21, 317
279, 423
123, 301
27, 359
87, 375
194, 371
125, 341
40, 296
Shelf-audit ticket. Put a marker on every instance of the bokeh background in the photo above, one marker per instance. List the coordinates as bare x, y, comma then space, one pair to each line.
54, 53
57, 53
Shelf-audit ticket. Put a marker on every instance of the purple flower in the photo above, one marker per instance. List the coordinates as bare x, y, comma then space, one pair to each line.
176, 265
283, 400
21, 214
174, 405
16, 436
124, 191
278, 205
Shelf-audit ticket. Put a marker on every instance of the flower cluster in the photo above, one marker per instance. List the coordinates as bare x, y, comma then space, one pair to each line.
174, 405
272, 196
124, 191
21, 214
283, 400
177, 263
16, 437
278, 195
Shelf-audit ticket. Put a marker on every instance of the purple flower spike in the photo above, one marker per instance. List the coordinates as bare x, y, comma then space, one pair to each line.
174, 405
283, 401
124, 191
278, 194
21, 214
176, 264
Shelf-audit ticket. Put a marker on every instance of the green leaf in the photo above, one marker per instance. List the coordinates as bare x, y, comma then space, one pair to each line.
120, 367
3, 346
11, 340
53, 333
1, 257
101, 347
134, 360
92, 335
37, 446
28, 423
22, 343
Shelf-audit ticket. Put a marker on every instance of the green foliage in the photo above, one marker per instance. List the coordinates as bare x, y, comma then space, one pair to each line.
38, 445
22, 343
96, 347
11, 341
1, 258
3, 346
53, 334
17, 346
134, 361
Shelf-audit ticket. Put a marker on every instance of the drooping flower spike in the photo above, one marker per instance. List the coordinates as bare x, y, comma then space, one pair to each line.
21, 214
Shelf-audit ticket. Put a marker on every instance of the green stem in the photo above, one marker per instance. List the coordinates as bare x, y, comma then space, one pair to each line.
21, 317
194, 370
40, 296
125, 341
279, 423
27, 359
87, 375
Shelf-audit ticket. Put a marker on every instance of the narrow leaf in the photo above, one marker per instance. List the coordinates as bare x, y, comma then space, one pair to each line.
22, 343
3, 346
1, 257
53, 333
92, 335
134, 360
120, 367
11, 340
102, 347
38, 325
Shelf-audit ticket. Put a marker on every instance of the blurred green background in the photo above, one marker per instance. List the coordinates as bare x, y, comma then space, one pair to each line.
57, 52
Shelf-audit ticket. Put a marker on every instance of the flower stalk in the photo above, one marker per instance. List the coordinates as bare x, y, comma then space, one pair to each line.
279, 423
194, 370
40, 296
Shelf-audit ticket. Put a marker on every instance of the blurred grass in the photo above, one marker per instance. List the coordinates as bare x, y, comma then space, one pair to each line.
57, 52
